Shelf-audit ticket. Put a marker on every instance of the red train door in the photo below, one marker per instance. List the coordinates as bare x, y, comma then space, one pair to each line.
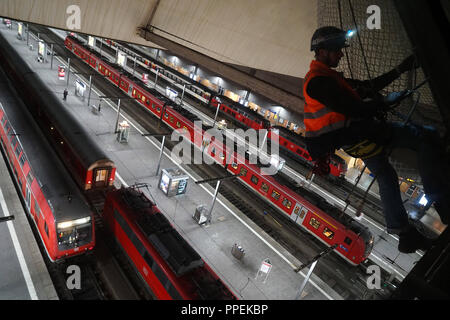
100, 177
298, 214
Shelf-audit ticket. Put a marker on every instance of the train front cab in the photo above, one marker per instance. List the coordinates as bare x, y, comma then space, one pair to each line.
74, 236
100, 175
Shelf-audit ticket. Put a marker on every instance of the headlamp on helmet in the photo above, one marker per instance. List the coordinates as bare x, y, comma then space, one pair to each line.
330, 38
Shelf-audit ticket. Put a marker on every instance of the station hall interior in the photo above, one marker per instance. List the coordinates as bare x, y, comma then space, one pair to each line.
129, 74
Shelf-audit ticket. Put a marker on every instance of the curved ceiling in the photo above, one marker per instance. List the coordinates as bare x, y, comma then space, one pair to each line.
264, 35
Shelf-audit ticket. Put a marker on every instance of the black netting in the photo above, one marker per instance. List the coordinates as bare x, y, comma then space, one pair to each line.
383, 49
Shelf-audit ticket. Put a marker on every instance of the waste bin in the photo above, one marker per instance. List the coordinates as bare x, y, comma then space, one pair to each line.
201, 214
237, 251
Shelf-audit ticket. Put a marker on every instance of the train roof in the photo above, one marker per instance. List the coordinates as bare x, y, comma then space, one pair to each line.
68, 125
83, 145
56, 184
177, 253
242, 109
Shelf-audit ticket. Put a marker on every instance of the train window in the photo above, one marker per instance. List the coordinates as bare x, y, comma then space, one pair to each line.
314, 223
178, 124
234, 166
148, 102
275, 194
160, 274
20, 182
22, 160
243, 172
171, 119
148, 259
153, 106
302, 214
264, 187
347, 240
254, 179
134, 92
46, 228
166, 115
30, 178
18, 150
158, 109
13, 140
328, 233
37, 210
143, 99
287, 203
130, 234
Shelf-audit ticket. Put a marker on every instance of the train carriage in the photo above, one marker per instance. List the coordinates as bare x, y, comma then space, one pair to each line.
62, 218
89, 165
167, 264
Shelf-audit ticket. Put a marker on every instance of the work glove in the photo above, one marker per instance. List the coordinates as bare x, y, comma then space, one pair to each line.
394, 98
407, 64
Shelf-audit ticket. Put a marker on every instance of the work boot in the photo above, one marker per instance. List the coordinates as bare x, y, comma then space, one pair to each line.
411, 240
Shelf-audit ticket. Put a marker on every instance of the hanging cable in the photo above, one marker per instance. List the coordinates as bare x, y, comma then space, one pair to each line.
361, 45
345, 49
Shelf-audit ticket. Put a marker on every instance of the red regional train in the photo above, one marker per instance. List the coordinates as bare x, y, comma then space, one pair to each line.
355, 241
63, 220
167, 264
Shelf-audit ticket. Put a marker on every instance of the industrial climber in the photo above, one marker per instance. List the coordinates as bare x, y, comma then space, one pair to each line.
341, 113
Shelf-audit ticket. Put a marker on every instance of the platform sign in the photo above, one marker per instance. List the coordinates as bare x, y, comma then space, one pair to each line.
121, 59
61, 72
80, 88
91, 41
20, 30
145, 78
41, 49
171, 94
264, 269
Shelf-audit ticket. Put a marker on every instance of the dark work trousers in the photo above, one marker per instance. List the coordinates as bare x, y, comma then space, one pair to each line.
432, 167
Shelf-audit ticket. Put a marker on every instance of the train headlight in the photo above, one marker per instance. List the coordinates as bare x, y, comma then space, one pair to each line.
64, 225
69, 224
82, 220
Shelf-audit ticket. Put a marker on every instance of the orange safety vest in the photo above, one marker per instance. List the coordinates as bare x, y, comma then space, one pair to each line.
318, 118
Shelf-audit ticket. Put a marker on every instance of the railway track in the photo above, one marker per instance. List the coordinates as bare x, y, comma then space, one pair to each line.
347, 281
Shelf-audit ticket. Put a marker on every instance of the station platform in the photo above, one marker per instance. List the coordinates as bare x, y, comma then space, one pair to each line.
23, 274
137, 160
